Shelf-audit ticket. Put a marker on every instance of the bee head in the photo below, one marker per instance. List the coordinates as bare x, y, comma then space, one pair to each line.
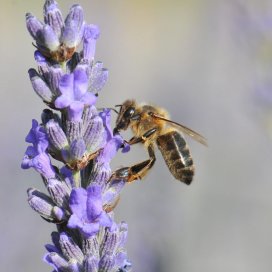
127, 110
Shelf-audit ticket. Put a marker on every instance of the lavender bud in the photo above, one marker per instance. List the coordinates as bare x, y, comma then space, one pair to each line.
98, 77
53, 17
90, 246
53, 78
50, 39
47, 115
74, 266
55, 237
88, 114
77, 149
56, 135
123, 228
59, 214
100, 173
34, 26
39, 86
91, 34
106, 263
73, 29
126, 266
42, 63
51, 248
55, 260
93, 134
91, 264
59, 193
109, 243
69, 248
42, 204
73, 130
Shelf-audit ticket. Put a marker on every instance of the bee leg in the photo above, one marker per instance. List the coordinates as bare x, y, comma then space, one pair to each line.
136, 171
143, 138
110, 207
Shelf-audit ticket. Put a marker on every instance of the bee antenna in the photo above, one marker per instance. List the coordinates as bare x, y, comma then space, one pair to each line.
118, 106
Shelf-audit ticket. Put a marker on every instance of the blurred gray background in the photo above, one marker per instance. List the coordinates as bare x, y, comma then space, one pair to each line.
206, 61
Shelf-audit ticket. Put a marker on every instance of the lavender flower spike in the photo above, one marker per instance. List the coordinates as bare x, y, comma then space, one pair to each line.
81, 193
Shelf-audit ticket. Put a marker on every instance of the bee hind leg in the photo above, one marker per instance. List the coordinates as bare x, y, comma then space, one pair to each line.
136, 171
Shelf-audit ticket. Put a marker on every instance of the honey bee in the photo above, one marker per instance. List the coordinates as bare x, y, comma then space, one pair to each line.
151, 125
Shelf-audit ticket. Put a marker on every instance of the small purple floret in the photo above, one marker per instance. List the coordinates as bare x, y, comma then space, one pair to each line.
87, 210
74, 95
37, 136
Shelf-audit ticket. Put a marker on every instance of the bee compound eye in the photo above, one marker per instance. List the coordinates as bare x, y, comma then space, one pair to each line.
129, 112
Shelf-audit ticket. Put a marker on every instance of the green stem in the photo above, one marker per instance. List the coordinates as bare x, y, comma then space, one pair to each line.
77, 179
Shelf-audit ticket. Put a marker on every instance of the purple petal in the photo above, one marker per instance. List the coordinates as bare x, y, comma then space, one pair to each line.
110, 149
31, 136
89, 99
31, 152
77, 202
106, 117
80, 83
75, 111
26, 163
94, 202
38, 138
105, 220
42, 164
62, 102
126, 147
66, 84
74, 222
90, 229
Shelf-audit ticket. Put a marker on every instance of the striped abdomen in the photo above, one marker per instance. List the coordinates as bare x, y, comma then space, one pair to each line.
177, 156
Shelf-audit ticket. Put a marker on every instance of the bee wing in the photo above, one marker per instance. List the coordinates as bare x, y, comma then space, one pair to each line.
196, 136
